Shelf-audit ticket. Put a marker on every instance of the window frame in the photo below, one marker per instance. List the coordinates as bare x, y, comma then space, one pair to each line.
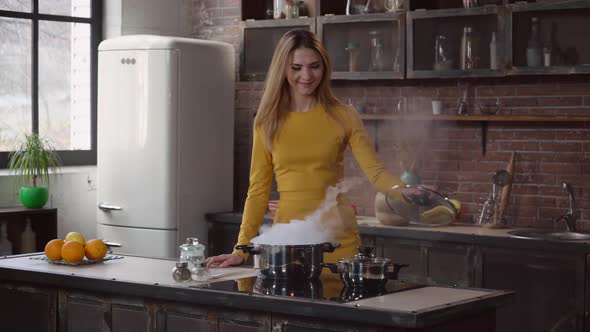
69, 157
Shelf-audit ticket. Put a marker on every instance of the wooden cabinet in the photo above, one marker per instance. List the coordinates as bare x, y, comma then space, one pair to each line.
449, 264
560, 35
19, 301
549, 289
424, 39
364, 46
43, 223
82, 311
259, 39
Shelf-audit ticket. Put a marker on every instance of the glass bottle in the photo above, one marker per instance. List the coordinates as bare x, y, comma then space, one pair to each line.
193, 253
442, 60
533, 52
353, 56
468, 49
279, 6
377, 56
493, 53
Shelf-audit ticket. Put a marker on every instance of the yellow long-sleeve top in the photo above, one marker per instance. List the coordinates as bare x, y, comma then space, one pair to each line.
307, 156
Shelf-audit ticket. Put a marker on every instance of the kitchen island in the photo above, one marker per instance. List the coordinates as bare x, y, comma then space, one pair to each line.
139, 294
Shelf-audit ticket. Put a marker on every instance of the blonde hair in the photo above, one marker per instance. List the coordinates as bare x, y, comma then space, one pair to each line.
273, 105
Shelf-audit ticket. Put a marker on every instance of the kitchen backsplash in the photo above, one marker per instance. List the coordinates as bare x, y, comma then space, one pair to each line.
449, 154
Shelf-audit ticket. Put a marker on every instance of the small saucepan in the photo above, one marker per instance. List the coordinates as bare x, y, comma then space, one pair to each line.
364, 270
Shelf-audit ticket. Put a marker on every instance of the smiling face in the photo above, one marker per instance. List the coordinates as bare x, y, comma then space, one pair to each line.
304, 72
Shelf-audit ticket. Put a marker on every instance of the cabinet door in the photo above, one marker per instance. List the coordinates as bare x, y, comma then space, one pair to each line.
548, 289
27, 308
83, 312
440, 263
89, 312
176, 318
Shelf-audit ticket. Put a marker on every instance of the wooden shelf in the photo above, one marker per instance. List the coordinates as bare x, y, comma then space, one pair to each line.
367, 75
489, 118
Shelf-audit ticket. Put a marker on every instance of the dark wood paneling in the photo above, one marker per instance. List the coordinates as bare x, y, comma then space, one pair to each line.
125, 318
548, 289
27, 308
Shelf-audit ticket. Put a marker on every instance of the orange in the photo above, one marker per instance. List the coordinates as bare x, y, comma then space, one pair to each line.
95, 249
72, 251
53, 249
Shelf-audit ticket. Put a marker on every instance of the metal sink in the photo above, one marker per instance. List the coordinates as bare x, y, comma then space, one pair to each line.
549, 234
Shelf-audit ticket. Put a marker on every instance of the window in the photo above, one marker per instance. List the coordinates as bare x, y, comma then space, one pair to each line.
48, 66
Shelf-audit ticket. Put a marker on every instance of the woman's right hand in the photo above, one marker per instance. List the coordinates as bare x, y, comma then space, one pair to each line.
225, 260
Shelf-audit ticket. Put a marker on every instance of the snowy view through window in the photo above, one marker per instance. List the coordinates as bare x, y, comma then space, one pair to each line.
64, 75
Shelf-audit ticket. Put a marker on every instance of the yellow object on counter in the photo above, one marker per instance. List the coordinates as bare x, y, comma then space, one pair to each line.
439, 215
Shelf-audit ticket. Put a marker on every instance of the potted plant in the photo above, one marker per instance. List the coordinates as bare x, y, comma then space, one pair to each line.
31, 162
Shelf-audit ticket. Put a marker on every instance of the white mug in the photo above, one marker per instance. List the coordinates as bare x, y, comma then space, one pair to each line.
437, 106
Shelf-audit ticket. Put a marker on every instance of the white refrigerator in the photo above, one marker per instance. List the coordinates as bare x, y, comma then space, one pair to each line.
165, 140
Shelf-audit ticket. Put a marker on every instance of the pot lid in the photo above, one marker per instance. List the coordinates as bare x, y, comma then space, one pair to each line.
420, 205
364, 256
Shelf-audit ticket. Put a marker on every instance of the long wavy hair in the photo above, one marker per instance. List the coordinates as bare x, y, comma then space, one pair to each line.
276, 98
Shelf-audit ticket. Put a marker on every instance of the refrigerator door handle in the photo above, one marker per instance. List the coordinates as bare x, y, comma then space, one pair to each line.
109, 207
112, 244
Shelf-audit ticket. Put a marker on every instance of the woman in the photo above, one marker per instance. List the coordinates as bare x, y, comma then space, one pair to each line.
301, 131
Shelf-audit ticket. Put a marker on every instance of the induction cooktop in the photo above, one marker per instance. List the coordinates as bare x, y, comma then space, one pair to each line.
327, 288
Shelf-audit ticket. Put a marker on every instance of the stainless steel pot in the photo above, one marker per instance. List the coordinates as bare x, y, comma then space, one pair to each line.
364, 270
290, 261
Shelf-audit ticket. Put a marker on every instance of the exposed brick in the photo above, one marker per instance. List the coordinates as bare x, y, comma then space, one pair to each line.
574, 89
534, 201
536, 90
534, 135
561, 101
519, 102
556, 168
560, 147
495, 91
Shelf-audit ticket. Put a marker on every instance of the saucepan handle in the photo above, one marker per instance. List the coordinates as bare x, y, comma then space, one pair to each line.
393, 270
248, 249
329, 247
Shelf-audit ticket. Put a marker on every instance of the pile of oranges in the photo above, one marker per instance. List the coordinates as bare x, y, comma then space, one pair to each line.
74, 248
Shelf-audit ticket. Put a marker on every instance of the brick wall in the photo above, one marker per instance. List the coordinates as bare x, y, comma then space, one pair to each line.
449, 154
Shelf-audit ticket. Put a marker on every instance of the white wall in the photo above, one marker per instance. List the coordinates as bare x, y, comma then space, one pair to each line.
156, 17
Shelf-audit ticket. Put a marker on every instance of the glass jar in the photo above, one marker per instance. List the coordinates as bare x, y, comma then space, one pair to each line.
193, 253
181, 272
202, 273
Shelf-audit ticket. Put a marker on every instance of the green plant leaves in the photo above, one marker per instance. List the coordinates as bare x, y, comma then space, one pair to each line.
33, 160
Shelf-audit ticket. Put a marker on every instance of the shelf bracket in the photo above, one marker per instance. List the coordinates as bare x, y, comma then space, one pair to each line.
484, 137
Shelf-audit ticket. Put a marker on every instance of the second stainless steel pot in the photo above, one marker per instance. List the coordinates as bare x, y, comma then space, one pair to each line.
364, 270
290, 261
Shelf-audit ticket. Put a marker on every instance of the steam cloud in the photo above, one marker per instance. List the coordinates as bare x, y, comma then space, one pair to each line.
314, 229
